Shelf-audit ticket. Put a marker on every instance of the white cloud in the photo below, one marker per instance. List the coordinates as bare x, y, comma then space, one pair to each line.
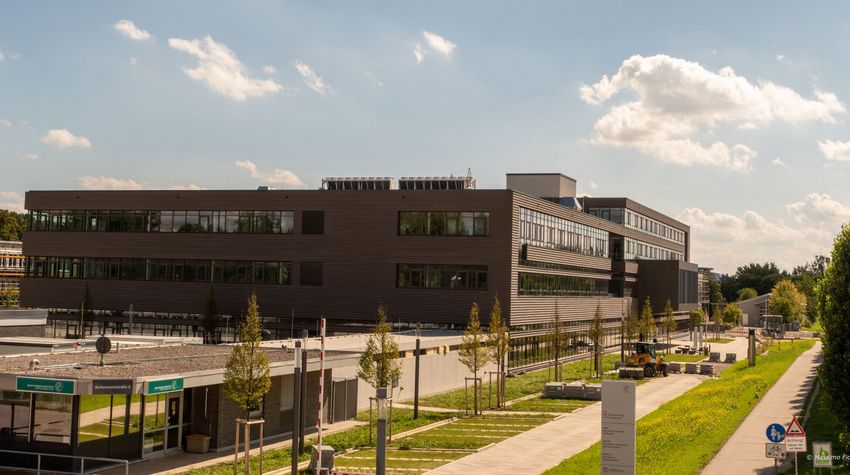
418, 53
780, 57
269, 69
130, 30
677, 99
108, 183
2, 57
5, 124
133, 61
820, 210
719, 238
12, 201
63, 139
276, 177
220, 69
311, 79
187, 186
779, 163
29, 156
439, 44
835, 150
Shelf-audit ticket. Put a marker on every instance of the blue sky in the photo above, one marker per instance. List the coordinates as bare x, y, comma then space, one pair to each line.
731, 117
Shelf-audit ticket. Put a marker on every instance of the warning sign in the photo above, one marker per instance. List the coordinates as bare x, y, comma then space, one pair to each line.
795, 437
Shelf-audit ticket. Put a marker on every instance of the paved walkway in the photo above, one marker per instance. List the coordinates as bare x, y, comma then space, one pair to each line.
744, 451
545, 446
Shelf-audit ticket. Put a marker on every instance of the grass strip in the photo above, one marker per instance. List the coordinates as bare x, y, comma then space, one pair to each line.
519, 386
684, 434
719, 340
823, 426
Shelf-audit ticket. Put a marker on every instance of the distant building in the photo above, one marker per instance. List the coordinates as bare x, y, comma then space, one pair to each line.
11, 265
703, 279
754, 309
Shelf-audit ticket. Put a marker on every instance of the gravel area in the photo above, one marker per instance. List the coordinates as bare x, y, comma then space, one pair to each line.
135, 362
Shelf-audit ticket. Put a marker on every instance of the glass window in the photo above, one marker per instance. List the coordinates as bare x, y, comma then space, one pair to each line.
166, 221
177, 271
482, 224
189, 271
245, 218
243, 271
134, 423
96, 416
193, 224
15, 415
259, 272
52, 418
232, 221
412, 223
202, 271
436, 224
287, 222
178, 223
153, 221
218, 271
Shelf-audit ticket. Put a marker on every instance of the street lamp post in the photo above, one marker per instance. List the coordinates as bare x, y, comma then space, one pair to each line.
381, 446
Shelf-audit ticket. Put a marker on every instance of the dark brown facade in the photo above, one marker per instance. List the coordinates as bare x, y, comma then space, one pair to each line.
348, 252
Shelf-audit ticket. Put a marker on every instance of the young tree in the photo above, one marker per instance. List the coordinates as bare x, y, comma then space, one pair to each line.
596, 334
806, 278
733, 314
715, 295
787, 301
717, 319
747, 293
498, 341
669, 323
834, 311
379, 364
210, 318
246, 376
556, 340
697, 316
647, 321
473, 352
632, 327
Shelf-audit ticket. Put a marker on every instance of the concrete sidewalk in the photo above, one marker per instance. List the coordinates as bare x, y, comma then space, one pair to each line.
744, 451
545, 446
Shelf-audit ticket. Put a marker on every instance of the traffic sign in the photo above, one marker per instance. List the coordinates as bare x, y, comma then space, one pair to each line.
794, 428
795, 437
775, 433
774, 451
822, 452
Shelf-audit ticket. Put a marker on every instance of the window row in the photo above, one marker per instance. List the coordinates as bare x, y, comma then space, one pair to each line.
257, 222
633, 220
448, 223
561, 285
11, 262
635, 249
554, 266
172, 270
544, 230
440, 276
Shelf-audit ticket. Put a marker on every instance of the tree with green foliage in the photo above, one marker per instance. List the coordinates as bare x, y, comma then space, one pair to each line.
246, 375
761, 277
647, 321
669, 324
787, 301
9, 298
834, 311
595, 333
210, 318
695, 318
12, 225
556, 340
379, 363
473, 351
715, 296
806, 278
733, 314
498, 341
632, 327
747, 293
717, 319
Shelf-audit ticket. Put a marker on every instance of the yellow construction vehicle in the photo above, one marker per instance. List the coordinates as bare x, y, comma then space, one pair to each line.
644, 362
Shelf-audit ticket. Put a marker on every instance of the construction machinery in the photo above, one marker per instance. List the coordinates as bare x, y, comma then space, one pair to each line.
644, 362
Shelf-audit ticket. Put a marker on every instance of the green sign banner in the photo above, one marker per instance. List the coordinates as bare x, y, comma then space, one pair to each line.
45, 385
164, 386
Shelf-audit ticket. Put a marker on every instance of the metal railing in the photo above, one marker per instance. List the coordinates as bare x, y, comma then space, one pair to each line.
39, 455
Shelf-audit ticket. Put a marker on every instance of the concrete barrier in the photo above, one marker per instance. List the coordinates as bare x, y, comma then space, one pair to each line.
706, 369
691, 368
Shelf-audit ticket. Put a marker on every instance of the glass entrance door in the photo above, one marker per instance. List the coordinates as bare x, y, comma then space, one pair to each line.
174, 427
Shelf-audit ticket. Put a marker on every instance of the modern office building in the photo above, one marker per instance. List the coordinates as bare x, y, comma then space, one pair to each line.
426, 249
11, 266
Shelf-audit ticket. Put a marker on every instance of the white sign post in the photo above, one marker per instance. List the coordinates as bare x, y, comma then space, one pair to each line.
618, 427
795, 439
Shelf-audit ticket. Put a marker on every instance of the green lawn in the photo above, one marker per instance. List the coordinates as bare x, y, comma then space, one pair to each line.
822, 426
523, 385
719, 340
351, 438
472, 432
409, 459
815, 327
674, 358
540, 404
684, 434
